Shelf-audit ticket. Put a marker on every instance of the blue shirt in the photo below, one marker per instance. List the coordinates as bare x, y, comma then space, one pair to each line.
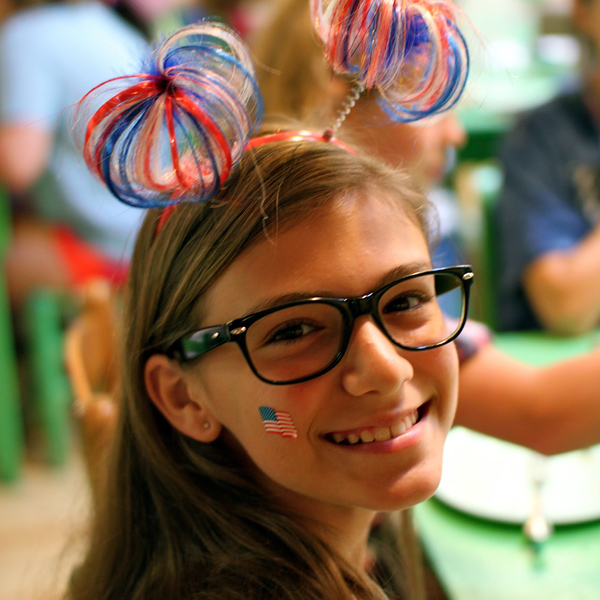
50, 57
550, 198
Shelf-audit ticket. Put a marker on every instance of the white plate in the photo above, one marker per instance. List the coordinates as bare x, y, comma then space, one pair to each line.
492, 479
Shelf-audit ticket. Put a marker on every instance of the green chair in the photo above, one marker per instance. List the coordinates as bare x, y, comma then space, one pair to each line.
11, 424
489, 183
484, 133
45, 316
481, 183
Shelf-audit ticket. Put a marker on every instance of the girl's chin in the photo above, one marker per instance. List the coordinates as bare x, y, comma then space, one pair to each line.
404, 498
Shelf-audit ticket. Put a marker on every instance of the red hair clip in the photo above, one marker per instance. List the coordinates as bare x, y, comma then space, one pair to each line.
299, 136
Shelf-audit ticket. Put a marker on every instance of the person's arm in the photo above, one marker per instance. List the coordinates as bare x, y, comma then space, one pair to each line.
24, 153
550, 409
30, 100
548, 250
563, 287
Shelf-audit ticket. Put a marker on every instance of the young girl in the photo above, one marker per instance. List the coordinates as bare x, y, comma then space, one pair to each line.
499, 395
287, 371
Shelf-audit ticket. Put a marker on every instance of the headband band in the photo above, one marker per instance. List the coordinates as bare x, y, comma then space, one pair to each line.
299, 136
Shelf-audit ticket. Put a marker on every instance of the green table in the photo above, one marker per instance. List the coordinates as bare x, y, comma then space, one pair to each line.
540, 348
476, 559
11, 428
480, 560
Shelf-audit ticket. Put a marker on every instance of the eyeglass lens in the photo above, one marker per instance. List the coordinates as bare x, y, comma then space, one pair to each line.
298, 341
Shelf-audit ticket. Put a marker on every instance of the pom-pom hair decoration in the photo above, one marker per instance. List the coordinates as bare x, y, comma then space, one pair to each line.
411, 51
173, 133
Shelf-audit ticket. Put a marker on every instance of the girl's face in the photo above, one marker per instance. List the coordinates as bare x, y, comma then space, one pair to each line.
347, 251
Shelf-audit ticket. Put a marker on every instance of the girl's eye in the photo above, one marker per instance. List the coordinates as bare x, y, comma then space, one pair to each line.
405, 302
289, 332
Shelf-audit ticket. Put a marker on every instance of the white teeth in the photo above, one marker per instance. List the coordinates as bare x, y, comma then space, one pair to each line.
366, 436
399, 428
382, 434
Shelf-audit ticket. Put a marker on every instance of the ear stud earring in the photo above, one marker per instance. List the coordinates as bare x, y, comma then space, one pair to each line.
206, 425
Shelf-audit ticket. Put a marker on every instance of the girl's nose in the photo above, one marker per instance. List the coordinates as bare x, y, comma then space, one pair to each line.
373, 364
456, 135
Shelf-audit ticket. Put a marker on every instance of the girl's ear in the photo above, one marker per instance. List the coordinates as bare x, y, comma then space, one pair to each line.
169, 389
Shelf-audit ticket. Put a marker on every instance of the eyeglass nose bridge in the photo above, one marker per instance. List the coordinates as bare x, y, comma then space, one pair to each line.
365, 305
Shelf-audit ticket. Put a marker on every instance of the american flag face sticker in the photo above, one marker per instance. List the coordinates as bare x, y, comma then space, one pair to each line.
277, 421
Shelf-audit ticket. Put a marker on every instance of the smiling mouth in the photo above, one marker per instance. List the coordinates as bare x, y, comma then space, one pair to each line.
377, 434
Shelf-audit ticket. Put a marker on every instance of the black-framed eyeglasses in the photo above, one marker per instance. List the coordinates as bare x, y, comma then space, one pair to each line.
302, 340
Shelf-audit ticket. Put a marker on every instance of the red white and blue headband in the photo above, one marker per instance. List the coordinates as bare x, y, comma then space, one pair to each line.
174, 132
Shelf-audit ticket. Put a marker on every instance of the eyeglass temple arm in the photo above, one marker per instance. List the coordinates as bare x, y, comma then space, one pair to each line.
443, 284
202, 341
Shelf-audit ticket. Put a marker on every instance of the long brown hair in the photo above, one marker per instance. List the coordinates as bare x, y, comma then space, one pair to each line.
181, 519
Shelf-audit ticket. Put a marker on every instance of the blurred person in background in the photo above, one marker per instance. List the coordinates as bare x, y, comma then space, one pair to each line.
498, 395
67, 228
245, 16
548, 213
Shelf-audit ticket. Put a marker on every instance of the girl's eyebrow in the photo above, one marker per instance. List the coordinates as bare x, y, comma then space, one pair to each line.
404, 271
393, 275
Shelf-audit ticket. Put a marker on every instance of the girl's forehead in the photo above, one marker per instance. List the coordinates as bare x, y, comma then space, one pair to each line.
346, 225
343, 250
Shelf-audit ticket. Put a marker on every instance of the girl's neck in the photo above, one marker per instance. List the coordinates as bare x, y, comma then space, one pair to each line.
345, 529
